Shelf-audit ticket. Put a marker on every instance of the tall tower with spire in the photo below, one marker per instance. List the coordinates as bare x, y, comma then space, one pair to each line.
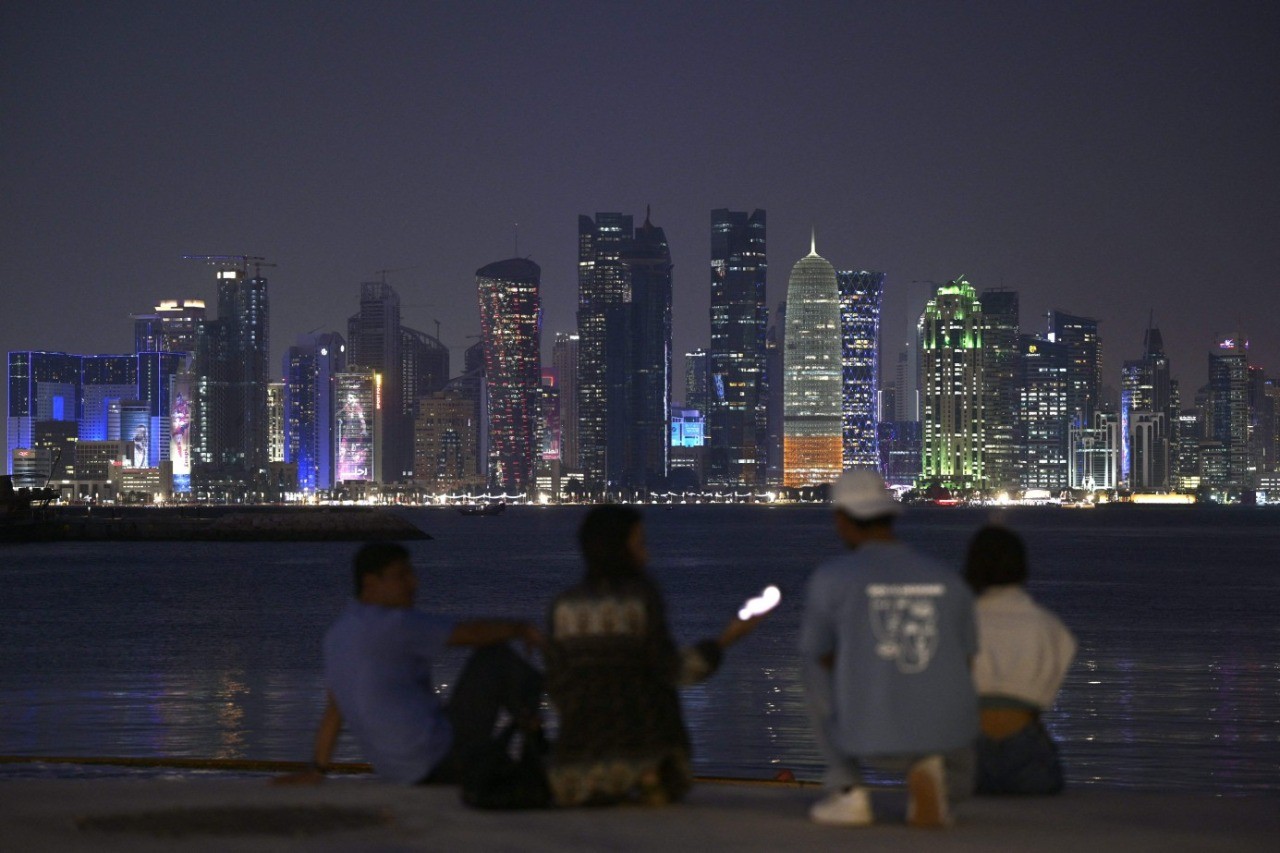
811, 367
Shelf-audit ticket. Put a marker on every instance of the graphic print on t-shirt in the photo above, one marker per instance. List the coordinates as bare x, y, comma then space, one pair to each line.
904, 618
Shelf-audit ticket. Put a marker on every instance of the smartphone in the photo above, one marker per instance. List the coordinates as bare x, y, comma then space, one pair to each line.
761, 604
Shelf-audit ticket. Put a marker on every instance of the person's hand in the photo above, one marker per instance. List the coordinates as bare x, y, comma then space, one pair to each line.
310, 776
739, 628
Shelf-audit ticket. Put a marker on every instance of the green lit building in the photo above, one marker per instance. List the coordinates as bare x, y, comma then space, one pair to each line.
952, 388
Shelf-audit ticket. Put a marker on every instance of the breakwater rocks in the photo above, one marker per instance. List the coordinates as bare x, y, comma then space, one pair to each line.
212, 524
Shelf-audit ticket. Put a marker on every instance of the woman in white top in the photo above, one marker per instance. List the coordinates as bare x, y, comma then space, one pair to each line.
1023, 655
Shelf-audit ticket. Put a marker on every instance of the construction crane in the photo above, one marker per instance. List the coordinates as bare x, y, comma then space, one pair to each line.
382, 274
240, 262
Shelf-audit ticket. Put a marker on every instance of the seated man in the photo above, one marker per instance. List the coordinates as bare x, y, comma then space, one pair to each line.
885, 643
377, 668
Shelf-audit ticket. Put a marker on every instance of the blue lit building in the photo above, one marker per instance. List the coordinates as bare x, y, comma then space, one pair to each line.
91, 391
309, 369
43, 387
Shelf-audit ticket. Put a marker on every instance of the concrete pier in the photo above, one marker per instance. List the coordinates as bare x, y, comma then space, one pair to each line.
208, 813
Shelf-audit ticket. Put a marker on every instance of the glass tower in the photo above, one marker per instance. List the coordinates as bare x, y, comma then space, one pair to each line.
860, 296
1000, 371
510, 326
737, 397
812, 435
310, 366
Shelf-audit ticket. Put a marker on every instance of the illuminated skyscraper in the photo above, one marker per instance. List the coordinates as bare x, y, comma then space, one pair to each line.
624, 352
44, 388
697, 394
1228, 405
232, 371
860, 296
1042, 412
1000, 374
564, 360
374, 342
1084, 366
357, 425
736, 410
952, 388
171, 328
603, 291
446, 436
510, 326
1147, 416
310, 368
811, 392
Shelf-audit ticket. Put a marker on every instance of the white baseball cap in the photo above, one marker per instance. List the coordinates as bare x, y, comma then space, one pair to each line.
862, 495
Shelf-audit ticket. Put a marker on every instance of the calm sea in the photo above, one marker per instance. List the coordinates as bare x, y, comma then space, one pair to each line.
212, 650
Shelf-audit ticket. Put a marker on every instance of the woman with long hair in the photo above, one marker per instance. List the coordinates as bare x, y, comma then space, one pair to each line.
613, 671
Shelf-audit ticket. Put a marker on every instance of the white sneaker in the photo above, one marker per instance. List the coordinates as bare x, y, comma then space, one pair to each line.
843, 808
927, 804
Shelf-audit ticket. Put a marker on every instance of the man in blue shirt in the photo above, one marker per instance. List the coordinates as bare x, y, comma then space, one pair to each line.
885, 642
377, 668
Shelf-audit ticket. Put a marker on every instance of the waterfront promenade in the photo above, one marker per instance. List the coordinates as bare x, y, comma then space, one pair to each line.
213, 812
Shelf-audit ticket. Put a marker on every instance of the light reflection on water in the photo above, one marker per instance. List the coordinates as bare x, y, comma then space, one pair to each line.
212, 650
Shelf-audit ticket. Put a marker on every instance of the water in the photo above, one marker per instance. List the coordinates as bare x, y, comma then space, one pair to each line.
212, 650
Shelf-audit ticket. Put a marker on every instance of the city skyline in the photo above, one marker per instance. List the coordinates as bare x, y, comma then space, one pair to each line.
1103, 162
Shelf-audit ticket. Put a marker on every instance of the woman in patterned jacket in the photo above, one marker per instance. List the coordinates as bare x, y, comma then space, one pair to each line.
613, 671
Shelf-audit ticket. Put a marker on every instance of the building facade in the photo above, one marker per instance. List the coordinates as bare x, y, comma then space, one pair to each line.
860, 297
311, 366
510, 331
1001, 373
737, 392
952, 433
812, 432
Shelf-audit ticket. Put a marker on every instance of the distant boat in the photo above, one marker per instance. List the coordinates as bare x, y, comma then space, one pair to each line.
492, 508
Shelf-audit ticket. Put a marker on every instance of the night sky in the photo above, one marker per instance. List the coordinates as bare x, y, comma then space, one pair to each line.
1108, 159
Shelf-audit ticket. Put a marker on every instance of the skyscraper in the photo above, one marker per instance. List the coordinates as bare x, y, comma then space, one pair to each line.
1147, 415
172, 327
1229, 406
374, 342
1084, 365
624, 351
860, 296
1042, 412
812, 452
310, 368
645, 375
510, 326
232, 373
564, 360
737, 401
44, 388
697, 394
1000, 376
951, 396
446, 437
